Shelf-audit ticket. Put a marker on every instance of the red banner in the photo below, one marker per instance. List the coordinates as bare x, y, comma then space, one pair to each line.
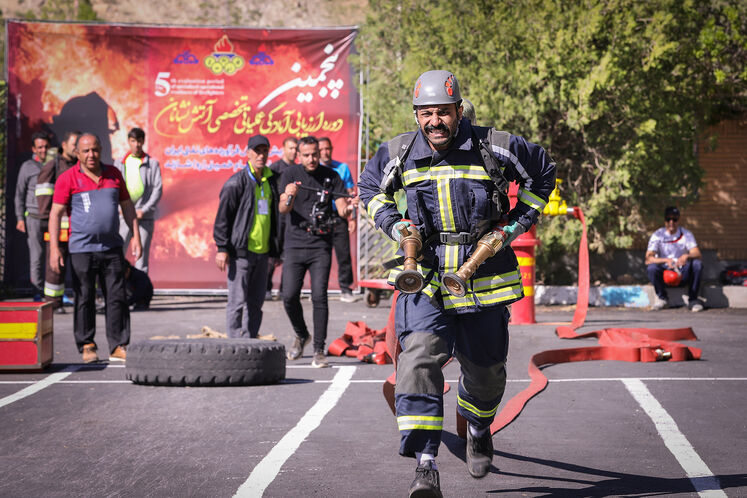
199, 94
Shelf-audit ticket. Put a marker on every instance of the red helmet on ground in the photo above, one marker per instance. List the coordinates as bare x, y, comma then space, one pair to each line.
672, 278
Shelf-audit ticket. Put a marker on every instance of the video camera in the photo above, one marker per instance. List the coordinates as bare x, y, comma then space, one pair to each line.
322, 218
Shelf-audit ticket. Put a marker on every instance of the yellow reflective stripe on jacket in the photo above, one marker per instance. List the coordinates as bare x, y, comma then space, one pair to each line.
501, 295
423, 422
429, 289
473, 409
493, 281
44, 189
531, 200
377, 202
444, 204
445, 172
493, 296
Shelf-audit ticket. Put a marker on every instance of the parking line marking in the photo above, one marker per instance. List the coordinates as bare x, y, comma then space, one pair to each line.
266, 470
38, 386
705, 483
453, 381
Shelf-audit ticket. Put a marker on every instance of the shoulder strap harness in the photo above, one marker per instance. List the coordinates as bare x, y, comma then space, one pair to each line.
400, 146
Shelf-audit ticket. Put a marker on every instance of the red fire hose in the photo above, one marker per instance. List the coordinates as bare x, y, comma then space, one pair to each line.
629, 344
620, 344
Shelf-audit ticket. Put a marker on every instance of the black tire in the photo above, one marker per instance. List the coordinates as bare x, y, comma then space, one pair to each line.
205, 362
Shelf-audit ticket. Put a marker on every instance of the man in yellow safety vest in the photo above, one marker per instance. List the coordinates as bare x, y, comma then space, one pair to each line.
143, 178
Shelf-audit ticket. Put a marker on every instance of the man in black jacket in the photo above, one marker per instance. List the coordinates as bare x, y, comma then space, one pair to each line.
245, 232
306, 201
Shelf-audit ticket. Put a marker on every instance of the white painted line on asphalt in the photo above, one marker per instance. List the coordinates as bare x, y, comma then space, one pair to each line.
453, 381
605, 379
700, 475
95, 382
266, 470
38, 386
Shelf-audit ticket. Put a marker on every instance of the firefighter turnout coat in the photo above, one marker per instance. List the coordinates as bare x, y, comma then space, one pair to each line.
453, 201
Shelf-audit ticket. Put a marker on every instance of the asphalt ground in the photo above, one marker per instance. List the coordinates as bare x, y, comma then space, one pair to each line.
599, 429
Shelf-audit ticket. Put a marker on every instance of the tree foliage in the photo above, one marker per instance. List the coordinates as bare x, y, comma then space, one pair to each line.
617, 91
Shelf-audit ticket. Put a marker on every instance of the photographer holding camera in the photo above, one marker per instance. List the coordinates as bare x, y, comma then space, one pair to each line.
307, 204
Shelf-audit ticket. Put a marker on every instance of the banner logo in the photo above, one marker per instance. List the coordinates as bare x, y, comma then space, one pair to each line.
224, 59
261, 59
186, 57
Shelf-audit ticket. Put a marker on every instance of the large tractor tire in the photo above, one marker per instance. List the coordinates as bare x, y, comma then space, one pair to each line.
205, 362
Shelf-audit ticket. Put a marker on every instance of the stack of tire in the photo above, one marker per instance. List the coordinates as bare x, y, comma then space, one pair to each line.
205, 362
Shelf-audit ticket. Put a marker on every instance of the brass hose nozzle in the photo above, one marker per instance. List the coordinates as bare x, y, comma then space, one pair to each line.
487, 246
410, 280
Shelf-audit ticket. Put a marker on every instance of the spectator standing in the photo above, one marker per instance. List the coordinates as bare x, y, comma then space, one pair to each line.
245, 232
343, 227
288, 158
308, 243
54, 281
290, 150
91, 192
674, 248
143, 178
27, 210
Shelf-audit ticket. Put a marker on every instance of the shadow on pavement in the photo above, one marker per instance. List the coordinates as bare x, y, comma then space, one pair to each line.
617, 483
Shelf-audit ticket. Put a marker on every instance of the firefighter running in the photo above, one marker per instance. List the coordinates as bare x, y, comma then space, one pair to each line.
452, 202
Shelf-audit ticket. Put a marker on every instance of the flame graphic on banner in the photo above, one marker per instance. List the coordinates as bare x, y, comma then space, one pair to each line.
189, 231
179, 232
224, 46
104, 78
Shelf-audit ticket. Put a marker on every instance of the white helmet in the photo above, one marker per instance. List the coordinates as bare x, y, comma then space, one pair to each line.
436, 87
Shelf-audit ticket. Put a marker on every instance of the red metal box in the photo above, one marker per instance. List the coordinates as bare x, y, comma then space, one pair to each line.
26, 335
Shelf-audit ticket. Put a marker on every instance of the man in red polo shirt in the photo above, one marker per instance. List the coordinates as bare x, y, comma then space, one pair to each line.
90, 192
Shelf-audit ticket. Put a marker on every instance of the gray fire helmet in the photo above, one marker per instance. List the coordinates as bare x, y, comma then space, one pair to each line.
436, 87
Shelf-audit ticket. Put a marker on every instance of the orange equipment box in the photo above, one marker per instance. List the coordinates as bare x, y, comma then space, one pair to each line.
26, 332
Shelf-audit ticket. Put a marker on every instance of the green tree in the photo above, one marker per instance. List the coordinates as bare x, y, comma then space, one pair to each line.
618, 91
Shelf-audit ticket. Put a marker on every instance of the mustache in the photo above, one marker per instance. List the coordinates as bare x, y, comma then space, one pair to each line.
442, 128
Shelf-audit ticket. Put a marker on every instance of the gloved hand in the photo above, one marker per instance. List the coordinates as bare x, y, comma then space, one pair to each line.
397, 226
513, 230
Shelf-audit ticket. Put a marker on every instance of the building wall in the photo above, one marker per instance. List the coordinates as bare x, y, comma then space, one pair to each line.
717, 219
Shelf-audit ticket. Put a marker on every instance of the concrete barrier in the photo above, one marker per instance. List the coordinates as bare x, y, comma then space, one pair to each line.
641, 296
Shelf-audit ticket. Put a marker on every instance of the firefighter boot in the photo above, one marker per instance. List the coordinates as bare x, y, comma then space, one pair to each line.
426, 483
479, 453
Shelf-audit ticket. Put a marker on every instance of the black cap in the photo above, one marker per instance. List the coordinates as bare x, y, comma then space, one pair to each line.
257, 140
671, 212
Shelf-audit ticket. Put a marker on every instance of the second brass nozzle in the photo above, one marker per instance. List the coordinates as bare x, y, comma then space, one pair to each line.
487, 246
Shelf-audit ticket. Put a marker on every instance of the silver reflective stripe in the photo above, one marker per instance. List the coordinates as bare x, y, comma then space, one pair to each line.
54, 290
531, 200
44, 189
515, 160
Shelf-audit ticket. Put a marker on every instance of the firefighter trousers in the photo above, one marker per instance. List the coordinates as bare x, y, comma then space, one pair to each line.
54, 282
429, 337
